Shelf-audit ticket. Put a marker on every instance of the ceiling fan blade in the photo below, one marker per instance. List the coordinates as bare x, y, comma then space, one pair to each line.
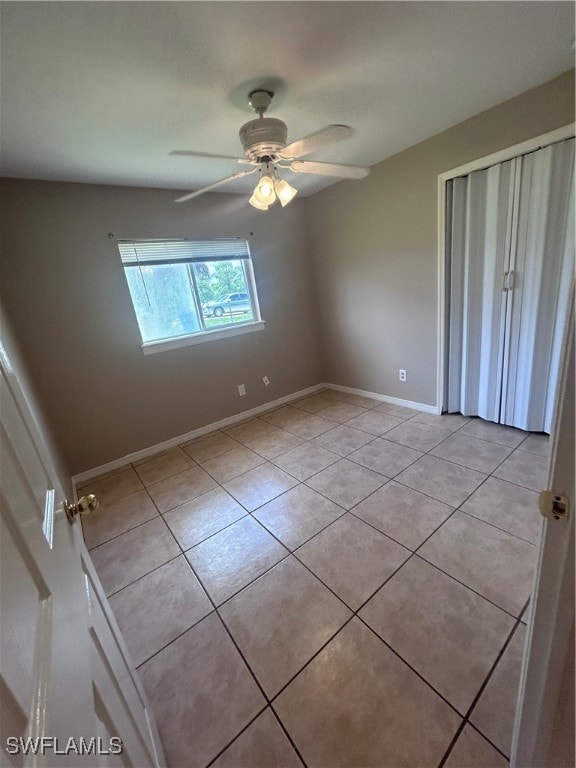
191, 153
190, 195
330, 169
323, 138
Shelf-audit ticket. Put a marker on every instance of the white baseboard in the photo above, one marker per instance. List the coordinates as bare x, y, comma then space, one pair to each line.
242, 416
386, 399
174, 441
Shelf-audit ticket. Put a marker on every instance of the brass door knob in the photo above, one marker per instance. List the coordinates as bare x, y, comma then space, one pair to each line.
84, 506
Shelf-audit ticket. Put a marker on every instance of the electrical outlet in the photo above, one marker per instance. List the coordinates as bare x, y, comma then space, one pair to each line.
266, 380
402, 374
241, 389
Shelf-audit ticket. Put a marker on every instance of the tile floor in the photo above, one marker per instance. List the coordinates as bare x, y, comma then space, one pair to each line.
338, 582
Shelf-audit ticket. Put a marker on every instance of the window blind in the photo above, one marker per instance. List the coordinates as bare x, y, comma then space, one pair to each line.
170, 251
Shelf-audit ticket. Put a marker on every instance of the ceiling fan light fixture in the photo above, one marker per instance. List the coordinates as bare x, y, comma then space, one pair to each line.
265, 149
284, 191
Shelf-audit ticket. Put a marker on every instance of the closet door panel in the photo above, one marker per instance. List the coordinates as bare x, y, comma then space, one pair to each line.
541, 268
478, 229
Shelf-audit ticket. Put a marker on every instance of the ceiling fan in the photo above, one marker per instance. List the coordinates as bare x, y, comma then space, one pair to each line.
265, 148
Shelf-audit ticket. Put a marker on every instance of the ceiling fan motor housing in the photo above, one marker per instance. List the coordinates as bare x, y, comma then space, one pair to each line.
263, 138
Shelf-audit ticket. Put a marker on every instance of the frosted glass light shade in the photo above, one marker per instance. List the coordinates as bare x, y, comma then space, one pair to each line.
264, 191
285, 192
257, 204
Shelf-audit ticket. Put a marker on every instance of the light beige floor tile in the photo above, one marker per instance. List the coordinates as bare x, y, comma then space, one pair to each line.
472, 453
281, 620
310, 426
473, 751
340, 412
336, 396
374, 423
396, 410
507, 506
494, 713
524, 468
333, 395
209, 446
416, 435
343, 439
262, 745
346, 483
443, 480
115, 517
385, 457
297, 515
249, 430
358, 705
283, 417
446, 632
362, 402
198, 519
159, 607
201, 693
232, 463
137, 462
170, 463
494, 433
536, 444
490, 561
448, 421
406, 515
84, 484
260, 485
352, 559
128, 557
229, 560
313, 403
175, 490
275, 444
113, 486
305, 460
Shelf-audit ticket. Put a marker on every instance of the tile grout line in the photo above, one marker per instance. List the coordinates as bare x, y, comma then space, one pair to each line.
477, 699
247, 665
215, 609
304, 483
353, 615
471, 589
134, 581
288, 735
293, 552
503, 530
301, 544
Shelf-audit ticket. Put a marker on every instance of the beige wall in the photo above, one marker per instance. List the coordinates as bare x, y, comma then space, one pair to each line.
346, 281
375, 246
16, 367
64, 290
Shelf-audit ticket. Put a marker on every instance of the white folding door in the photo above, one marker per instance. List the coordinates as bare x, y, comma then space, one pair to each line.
510, 265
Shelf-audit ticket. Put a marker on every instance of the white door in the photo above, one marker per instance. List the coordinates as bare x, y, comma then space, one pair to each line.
66, 684
544, 727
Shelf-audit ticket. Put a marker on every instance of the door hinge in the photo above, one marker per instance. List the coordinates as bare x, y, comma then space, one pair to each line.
554, 506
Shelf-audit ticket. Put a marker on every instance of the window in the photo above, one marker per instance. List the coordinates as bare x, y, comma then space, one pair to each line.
188, 291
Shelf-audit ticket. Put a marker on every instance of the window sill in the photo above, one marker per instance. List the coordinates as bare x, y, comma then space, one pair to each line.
151, 347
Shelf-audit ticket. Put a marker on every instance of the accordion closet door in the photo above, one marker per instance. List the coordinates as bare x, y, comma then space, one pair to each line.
510, 267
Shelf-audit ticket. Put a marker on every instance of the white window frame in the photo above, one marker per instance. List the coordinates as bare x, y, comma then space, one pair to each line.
190, 251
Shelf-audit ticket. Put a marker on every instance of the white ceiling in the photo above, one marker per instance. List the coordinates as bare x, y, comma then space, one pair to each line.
101, 92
